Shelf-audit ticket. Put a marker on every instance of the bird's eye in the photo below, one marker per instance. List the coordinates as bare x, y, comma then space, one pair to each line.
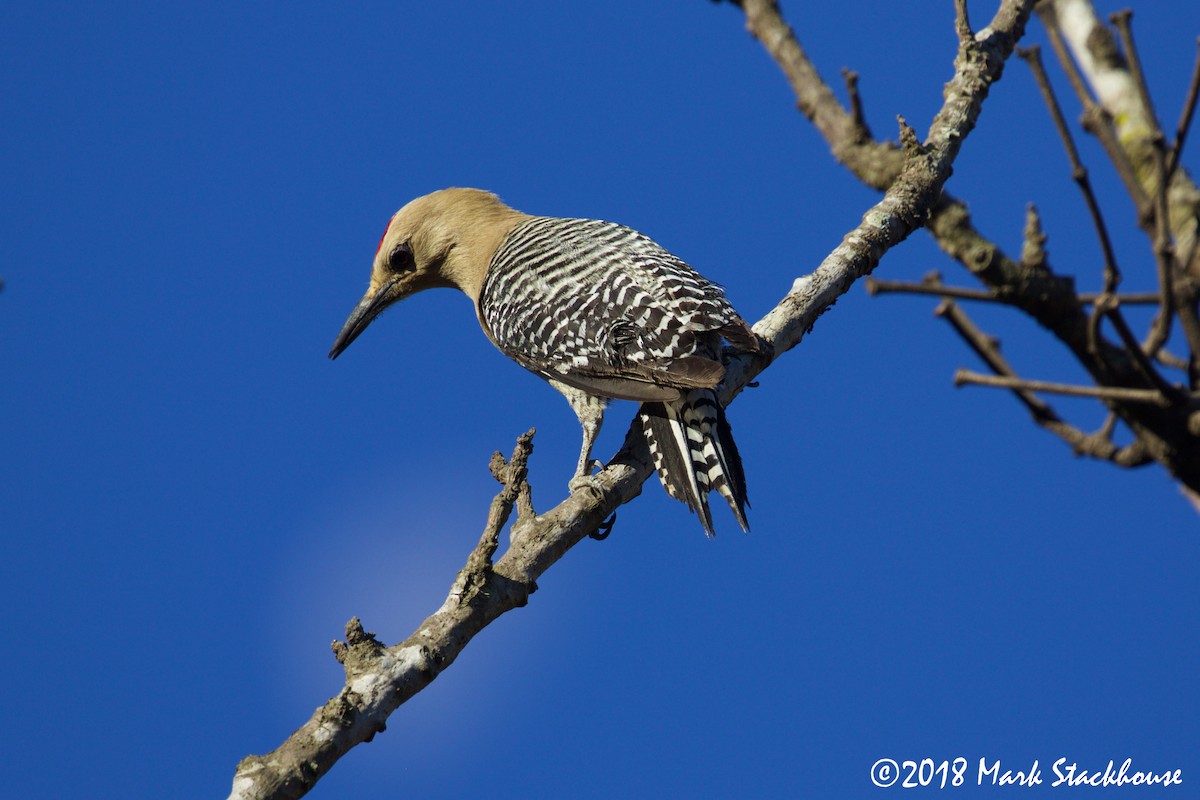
401, 258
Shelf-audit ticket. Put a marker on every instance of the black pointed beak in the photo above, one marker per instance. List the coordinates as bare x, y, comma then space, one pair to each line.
367, 309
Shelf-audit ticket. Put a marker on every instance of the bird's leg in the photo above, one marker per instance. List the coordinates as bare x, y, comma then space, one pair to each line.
591, 416
591, 422
589, 409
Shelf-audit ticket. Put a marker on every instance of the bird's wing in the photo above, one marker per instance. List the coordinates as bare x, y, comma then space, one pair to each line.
601, 307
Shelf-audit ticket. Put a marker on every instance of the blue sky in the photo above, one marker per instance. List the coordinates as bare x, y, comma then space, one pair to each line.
193, 499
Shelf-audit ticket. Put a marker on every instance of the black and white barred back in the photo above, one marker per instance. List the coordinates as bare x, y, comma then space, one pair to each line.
602, 308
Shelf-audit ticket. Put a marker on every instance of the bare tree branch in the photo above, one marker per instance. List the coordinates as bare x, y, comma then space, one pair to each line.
1097, 445
964, 377
876, 286
1185, 116
1093, 48
379, 678
1107, 305
1164, 254
988, 349
1079, 173
1123, 21
1031, 284
1169, 204
856, 108
1097, 118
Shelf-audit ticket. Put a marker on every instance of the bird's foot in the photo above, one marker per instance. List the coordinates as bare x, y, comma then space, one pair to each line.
591, 484
587, 483
584, 479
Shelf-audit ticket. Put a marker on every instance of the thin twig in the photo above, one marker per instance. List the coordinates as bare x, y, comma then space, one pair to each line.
965, 377
1049, 17
512, 474
962, 23
988, 349
856, 107
1128, 299
1122, 19
1185, 116
1108, 306
1160, 329
1169, 359
1097, 345
1108, 426
1096, 120
1033, 56
1097, 445
877, 286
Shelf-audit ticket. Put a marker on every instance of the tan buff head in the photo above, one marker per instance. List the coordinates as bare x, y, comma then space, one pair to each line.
444, 239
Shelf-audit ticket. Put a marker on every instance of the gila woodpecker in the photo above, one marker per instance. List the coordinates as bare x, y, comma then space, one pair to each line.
597, 309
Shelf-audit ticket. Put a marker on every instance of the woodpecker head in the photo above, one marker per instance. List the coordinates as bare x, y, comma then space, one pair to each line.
444, 239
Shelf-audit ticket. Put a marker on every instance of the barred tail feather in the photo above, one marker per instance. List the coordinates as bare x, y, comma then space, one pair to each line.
694, 452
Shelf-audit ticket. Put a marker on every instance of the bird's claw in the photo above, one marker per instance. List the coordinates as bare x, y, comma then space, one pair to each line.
601, 533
